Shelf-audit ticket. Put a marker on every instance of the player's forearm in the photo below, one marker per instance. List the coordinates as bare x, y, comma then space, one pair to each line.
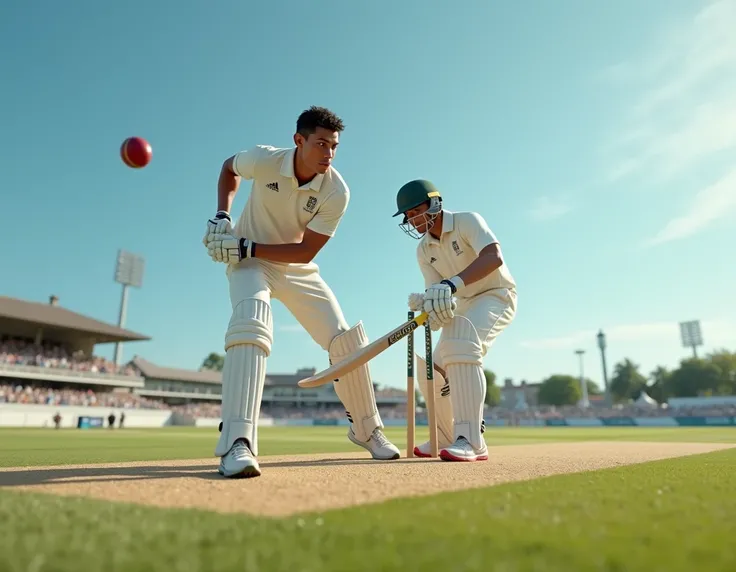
227, 188
296, 253
481, 267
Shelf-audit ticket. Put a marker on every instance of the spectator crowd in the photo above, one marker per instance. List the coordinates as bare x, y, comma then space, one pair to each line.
33, 394
541, 413
20, 352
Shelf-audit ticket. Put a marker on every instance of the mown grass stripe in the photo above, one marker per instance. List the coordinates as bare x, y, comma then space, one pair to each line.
36, 447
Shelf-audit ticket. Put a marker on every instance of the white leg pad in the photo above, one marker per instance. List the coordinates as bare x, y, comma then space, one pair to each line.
442, 400
251, 323
461, 352
247, 345
355, 389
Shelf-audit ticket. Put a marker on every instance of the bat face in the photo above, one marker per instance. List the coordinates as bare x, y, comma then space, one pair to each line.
402, 332
364, 354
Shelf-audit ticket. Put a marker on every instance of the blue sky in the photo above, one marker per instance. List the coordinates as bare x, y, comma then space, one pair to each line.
596, 139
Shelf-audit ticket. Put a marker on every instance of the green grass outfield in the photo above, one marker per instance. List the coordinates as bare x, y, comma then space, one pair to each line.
670, 516
21, 447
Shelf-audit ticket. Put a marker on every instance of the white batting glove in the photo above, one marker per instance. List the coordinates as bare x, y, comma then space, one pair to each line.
438, 302
434, 325
221, 223
228, 248
416, 304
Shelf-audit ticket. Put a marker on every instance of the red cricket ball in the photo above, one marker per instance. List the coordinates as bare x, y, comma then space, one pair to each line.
136, 152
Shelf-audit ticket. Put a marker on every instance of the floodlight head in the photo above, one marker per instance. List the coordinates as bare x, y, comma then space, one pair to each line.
691, 334
129, 269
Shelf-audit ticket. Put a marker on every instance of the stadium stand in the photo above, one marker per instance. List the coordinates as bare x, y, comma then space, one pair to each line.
48, 369
45, 342
47, 360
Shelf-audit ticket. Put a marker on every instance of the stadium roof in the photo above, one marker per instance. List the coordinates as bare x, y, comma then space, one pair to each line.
288, 379
22, 312
153, 371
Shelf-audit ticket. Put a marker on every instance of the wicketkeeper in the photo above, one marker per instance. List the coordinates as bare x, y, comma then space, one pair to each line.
459, 256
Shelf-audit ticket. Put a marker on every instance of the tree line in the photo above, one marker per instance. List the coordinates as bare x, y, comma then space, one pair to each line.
714, 374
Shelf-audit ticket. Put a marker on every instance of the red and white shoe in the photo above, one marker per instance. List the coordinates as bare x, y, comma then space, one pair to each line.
462, 450
424, 450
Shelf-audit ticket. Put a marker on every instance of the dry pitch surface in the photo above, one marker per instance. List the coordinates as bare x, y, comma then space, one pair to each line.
314, 483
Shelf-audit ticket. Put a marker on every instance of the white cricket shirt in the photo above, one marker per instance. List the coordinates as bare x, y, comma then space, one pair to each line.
278, 210
464, 235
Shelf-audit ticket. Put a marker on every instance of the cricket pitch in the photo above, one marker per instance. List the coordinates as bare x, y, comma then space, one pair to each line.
314, 483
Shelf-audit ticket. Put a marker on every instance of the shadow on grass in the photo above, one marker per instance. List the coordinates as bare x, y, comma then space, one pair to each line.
92, 474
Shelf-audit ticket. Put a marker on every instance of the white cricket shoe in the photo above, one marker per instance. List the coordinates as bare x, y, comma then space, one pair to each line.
423, 450
462, 450
380, 448
239, 462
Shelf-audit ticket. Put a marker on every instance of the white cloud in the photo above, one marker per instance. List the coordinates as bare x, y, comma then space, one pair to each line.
708, 205
684, 119
669, 151
293, 328
697, 53
547, 208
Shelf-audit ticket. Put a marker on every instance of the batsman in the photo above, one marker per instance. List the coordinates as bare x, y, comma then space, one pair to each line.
460, 258
296, 202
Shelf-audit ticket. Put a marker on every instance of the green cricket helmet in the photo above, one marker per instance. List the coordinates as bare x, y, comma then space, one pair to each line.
413, 194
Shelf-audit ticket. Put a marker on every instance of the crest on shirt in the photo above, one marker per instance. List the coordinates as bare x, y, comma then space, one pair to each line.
273, 186
311, 203
432, 260
456, 248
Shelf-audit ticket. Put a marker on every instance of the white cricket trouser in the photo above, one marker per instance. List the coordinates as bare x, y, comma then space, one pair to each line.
306, 295
463, 343
490, 313
299, 287
253, 283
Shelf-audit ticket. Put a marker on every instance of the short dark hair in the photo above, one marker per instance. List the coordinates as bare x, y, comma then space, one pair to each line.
314, 117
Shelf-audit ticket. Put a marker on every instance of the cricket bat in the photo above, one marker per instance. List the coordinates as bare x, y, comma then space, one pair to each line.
358, 358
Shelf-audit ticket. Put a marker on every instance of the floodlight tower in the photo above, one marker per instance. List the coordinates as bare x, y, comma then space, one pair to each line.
584, 402
128, 272
602, 346
691, 335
